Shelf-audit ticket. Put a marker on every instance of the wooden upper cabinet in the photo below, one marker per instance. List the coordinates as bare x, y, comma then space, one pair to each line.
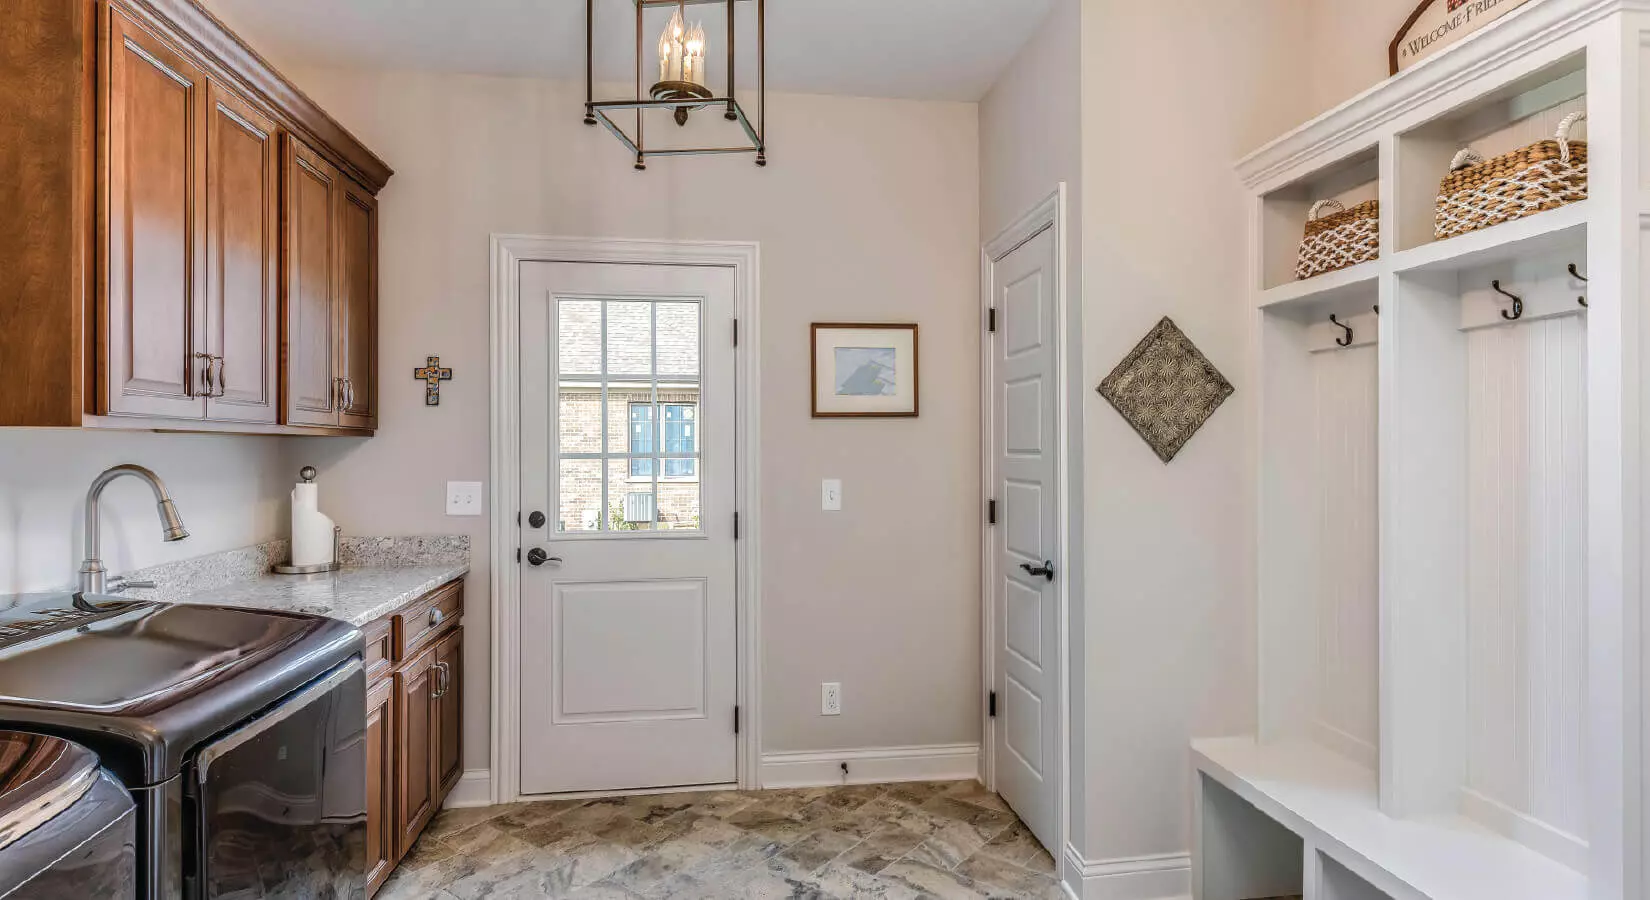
309, 340
154, 321
357, 303
242, 260
331, 291
167, 263
382, 829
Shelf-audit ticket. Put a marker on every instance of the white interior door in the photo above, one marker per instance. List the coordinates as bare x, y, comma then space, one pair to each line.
628, 632
1026, 536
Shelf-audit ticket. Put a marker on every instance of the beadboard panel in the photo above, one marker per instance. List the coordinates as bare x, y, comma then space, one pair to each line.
1345, 716
1527, 581
1529, 127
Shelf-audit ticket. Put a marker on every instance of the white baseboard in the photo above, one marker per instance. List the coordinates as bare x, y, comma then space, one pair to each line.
474, 788
1166, 876
936, 762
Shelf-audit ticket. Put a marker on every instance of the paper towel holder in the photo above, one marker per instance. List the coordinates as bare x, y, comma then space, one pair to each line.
337, 548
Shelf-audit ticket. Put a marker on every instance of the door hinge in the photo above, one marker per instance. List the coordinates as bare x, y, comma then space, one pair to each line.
736, 526
990, 512
518, 554
992, 707
736, 332
736, 719
991, 320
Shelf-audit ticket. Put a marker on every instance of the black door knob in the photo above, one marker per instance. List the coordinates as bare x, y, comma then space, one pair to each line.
535, 519
1046, 569
538, 557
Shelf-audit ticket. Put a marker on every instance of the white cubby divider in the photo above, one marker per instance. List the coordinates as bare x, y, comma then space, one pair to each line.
1451, 691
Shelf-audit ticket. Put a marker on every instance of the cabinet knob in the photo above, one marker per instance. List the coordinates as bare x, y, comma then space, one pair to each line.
437, 617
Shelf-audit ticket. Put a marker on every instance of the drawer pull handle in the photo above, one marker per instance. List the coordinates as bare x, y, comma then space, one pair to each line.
437, 617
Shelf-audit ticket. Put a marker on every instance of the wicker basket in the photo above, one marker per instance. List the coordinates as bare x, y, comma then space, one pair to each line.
1343, 238
1479, 193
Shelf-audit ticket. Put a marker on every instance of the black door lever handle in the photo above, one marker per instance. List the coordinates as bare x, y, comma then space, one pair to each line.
1046, 569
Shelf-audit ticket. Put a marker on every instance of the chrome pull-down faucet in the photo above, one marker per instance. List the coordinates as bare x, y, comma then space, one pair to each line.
93, 577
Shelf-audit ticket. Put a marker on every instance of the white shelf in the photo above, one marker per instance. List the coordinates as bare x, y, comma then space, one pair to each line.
1534, 235
1332, 804
1342, 284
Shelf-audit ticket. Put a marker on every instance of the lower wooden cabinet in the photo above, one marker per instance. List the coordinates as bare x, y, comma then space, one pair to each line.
414, 723
417, 782
448, 724
381, 830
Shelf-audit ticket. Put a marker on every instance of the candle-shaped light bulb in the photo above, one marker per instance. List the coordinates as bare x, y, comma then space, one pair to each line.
664, 57
671, 70
694, 68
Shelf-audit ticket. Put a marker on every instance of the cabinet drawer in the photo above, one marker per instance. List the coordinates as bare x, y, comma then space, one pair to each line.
426, 619
380, 653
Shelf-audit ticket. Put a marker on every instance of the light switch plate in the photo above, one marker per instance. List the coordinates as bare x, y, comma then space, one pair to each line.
830, 494
463, 498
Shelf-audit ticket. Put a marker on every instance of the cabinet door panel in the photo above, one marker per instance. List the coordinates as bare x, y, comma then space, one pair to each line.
309, 339
152, 326
381, 823
243, 259
415, 728
449, 757
357, 249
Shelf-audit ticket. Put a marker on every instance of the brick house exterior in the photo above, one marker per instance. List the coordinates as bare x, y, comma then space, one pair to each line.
635, 423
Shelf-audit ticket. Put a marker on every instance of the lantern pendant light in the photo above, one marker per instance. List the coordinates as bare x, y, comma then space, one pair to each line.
683, 83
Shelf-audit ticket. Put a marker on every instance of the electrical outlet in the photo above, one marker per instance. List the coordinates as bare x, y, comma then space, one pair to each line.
463, 498
830, 494
830, 699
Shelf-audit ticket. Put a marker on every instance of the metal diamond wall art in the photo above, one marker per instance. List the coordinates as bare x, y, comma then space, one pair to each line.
1166, 389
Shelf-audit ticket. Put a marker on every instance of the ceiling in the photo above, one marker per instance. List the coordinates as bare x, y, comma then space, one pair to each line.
916, 49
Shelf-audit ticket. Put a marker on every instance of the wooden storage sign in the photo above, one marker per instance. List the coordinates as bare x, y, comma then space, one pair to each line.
1436, 24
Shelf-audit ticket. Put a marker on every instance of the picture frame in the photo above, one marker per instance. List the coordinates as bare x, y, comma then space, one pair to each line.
864, 370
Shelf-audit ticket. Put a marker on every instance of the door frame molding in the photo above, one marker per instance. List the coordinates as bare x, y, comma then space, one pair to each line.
508, 253
1048, 215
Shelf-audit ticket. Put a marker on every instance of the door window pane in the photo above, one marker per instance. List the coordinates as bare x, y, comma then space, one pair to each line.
630, 338
579, 492
579, 418
678, 329
681, 436
628, 415
678, 504
579, 337
631, 505
641, 439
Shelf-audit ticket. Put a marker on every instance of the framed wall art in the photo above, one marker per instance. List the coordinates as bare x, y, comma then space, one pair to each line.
864, 370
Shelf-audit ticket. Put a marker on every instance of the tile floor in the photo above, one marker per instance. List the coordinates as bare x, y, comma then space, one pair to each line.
938, 840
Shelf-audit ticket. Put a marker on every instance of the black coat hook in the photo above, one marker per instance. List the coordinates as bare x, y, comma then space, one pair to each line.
1342, 341
1518, 303
1377, 308
1583, 278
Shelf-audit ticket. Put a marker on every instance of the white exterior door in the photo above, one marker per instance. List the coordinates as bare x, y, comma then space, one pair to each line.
1024, 541
628, 632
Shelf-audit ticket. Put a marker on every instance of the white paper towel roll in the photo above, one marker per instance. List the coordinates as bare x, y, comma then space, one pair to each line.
311, 529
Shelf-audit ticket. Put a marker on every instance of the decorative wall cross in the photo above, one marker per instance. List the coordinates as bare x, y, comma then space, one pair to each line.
432, 375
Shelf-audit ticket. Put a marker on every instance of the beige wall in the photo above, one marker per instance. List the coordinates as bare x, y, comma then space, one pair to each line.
1347, 47
231, 492
1031, 141
1170, 102
867, 211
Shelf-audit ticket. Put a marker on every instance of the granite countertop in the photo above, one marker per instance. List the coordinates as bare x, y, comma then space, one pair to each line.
356, 594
